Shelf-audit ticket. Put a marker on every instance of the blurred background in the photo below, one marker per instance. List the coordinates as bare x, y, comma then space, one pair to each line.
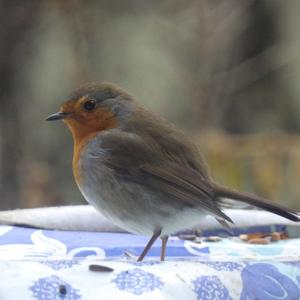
227, 72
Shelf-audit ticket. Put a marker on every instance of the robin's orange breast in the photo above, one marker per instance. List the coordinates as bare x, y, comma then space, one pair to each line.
83, 133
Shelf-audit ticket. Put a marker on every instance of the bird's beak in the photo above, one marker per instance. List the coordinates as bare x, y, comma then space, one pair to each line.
58, 116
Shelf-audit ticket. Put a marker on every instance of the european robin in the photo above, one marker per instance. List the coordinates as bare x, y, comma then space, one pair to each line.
139, 170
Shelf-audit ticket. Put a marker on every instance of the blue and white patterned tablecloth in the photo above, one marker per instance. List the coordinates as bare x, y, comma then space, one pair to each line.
37, 264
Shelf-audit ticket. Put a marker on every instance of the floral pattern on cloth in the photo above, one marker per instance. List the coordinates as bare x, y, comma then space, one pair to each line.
48, 265
137, 281
54, 288
210, 287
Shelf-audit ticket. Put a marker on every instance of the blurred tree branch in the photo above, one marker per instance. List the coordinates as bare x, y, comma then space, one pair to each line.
254, 68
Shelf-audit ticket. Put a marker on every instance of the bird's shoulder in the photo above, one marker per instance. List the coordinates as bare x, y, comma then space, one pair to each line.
168, 141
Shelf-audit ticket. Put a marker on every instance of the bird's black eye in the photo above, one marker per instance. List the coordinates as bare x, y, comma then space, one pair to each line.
89, 105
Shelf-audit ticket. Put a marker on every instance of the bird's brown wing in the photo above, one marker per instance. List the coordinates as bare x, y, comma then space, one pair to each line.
132, 159
184, 184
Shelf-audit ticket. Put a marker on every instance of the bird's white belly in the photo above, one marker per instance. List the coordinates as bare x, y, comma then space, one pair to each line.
145, 222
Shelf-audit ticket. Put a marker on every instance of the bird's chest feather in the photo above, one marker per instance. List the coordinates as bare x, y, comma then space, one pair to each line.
96, 181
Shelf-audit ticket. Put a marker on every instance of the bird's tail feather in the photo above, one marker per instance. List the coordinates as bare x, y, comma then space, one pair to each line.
250, 199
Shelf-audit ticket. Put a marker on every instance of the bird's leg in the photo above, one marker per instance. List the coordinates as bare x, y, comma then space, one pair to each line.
164, 240
149, 245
